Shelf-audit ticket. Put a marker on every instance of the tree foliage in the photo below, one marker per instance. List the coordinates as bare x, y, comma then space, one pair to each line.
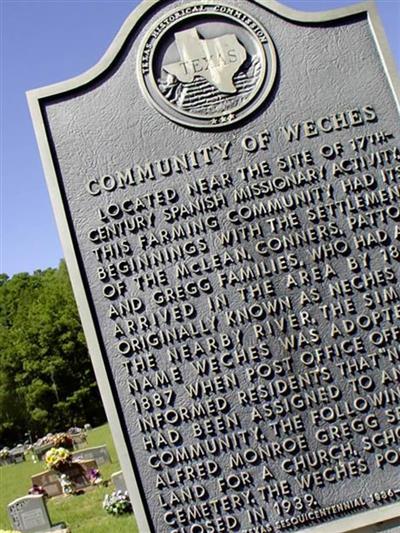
46, 378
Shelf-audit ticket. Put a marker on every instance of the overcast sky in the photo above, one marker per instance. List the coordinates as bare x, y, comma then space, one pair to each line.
43, 42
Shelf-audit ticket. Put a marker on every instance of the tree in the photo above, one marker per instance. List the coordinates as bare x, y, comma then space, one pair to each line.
46, 379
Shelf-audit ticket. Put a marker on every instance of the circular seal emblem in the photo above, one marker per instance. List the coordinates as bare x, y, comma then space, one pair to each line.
207, 64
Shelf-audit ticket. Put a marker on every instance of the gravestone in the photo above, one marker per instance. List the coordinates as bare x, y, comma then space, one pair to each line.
17, 454
29, 514
40, 451
99, 453
226, 184
79, 439
49, 480
76, 472
119, 482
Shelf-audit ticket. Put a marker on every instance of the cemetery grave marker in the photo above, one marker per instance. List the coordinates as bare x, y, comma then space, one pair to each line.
29, 515
99, 453
50, 481
119, 482
76, 472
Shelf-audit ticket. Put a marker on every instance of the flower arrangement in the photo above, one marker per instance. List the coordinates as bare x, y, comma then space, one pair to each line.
4, 453
37, 490
62, 440
57, 458
67, 485
94, 476
117, 503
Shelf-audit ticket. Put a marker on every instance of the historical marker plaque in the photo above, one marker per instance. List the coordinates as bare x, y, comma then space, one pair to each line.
226, 182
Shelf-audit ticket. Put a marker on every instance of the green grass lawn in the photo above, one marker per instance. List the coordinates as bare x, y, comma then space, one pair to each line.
82, 513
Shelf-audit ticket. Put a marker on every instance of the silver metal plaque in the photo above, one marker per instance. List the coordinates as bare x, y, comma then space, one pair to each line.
226, 182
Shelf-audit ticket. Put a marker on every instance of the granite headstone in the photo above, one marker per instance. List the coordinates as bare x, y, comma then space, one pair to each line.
49, 480
119, 482
99, 453
29, 515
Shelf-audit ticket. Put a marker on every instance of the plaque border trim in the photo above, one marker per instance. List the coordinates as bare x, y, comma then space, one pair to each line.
37, 97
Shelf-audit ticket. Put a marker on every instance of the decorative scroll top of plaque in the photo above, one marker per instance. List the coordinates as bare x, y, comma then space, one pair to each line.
211, 66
